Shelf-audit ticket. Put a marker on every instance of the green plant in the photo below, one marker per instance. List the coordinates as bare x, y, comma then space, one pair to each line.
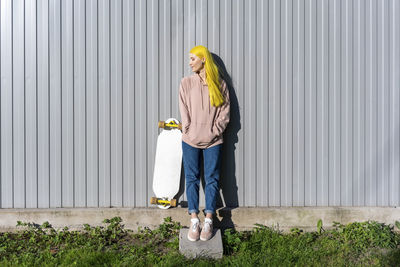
231, 241
363, 235
296, 231
168, 228
319, 226
355, 244
397, 223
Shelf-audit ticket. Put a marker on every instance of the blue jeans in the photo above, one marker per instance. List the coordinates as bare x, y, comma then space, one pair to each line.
191, 165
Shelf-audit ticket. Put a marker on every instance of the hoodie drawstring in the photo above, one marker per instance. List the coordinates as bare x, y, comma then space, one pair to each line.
202, 102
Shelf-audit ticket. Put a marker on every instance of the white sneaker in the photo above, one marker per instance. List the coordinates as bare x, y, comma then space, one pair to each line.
207, 230
194, 229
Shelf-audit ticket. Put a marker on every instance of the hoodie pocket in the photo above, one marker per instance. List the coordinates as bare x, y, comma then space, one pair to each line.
201, 133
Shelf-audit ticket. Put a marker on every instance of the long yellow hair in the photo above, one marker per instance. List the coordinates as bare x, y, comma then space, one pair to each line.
212, 75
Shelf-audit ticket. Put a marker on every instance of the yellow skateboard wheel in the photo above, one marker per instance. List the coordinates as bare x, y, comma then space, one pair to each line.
153, 200
173, 202
161, 124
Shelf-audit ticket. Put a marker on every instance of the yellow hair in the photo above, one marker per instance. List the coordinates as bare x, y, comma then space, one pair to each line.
212, 75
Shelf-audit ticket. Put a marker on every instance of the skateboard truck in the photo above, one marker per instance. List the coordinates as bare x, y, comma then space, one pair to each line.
170, 125
163, 202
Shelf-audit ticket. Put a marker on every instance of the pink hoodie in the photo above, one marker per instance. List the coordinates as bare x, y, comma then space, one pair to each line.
202, 123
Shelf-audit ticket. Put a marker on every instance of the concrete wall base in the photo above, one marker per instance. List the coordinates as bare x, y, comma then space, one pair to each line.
242, 218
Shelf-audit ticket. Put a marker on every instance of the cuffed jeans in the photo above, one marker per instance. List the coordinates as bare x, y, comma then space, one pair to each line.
191, 165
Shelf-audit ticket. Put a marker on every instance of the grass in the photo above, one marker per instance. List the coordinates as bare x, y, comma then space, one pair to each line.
357, 244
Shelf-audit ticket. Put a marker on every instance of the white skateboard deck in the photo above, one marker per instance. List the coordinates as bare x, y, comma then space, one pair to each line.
168, 163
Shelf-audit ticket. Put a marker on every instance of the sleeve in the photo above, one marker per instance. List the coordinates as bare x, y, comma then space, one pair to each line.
223, 116
183, 108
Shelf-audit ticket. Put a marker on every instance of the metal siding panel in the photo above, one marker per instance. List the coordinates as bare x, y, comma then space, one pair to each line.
79, 110
346, 185
214, 20
225, 44
30, 105
177, 56
6, 94
141, 104
250, 91
298, 103
104, 104
274, 133
189, 29
202, 22
43, 94
128, 103
67, 103
55, 104
18, 54
359, 104
238, 82
322, 99
92, 115
153, 89
394, 84
286, 104
310, 103
383, 160
116, 103
165, 59
371, 104
262, 109
334, 104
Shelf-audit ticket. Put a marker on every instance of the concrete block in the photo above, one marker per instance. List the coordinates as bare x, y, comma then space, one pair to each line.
211, 249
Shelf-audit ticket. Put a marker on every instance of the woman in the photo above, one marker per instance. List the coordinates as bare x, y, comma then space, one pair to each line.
204, 106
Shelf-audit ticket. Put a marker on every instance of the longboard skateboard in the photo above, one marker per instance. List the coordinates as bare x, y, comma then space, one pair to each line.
167, 164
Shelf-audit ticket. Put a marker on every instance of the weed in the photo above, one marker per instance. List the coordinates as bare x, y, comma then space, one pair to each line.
397, 223
231, 241
296, 231
360, 236
168, 228
355, 244
319, 226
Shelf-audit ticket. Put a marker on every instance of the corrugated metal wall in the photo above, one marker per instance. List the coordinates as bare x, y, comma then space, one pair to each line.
315, 99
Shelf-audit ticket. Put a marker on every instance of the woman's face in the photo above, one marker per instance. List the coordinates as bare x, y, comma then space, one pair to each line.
195, 63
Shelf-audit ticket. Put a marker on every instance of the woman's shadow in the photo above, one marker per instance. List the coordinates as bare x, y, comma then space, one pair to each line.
228, 181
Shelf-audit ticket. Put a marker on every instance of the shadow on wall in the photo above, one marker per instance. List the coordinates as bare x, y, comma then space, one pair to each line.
228, 181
